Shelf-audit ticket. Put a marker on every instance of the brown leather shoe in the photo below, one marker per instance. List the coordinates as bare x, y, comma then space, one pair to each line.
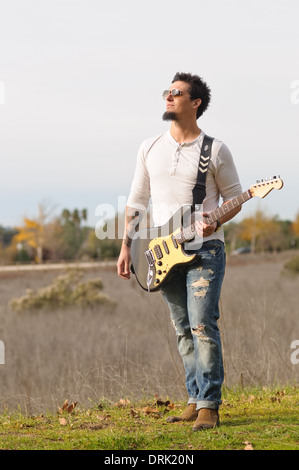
206, 419
190, 414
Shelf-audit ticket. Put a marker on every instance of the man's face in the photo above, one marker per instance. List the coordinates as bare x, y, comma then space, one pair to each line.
179, 107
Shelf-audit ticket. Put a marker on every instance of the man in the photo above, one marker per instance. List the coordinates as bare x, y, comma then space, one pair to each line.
166, 171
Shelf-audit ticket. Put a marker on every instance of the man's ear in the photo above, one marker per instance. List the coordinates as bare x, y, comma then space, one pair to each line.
196, 103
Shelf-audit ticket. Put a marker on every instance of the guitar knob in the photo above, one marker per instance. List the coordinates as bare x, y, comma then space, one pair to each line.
159, 263
157, 281
159, 272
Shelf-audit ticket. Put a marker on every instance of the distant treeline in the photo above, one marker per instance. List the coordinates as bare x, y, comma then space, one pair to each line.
68, 237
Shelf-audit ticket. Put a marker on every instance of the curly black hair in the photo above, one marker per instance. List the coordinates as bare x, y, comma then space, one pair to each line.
198, 89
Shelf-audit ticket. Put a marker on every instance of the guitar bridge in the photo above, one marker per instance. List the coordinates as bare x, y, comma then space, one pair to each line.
150, 257
150, 273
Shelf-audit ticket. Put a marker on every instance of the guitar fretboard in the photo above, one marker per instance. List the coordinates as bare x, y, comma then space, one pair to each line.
188, 232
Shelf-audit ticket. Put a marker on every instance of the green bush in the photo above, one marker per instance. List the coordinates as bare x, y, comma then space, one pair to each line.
292, 265
66, 290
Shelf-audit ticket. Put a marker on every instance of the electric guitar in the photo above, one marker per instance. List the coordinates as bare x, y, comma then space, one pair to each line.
155, 252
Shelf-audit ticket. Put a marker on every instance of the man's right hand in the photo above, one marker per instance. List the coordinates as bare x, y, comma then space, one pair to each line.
123, 263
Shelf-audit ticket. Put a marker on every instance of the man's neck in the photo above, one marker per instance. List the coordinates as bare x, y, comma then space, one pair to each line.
184, 132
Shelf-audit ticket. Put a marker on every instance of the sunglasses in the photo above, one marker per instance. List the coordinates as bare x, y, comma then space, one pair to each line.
174, 92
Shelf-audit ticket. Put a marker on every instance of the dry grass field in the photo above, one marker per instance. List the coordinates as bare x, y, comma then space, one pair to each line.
104, 353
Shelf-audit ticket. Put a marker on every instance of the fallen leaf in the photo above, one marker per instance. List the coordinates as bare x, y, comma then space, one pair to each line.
66, 407
63, 421
167, 404
171, 406
71, 407
160, 402
275, 399
149, 410
248, 446
123, 403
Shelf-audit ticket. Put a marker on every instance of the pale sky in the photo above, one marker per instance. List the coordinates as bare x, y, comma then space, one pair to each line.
81, 84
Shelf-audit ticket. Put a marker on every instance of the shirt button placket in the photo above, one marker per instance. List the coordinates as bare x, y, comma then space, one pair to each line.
175, 160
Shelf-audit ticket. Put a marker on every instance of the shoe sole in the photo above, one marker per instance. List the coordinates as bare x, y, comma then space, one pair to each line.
205, 426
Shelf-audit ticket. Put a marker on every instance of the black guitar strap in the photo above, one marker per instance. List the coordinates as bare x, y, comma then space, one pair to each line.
199, 190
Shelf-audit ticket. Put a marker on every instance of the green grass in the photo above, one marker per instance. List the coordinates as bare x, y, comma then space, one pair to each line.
261, 419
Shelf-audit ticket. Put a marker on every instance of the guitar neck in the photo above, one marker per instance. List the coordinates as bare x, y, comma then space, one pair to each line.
228, 207
188, 232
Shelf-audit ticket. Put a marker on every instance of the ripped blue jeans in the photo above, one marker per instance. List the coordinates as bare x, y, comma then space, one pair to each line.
192, 295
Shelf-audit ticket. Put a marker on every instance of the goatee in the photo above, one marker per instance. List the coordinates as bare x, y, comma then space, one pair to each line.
168, 116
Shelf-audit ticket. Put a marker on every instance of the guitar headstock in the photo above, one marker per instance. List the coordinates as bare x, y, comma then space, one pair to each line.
263, 187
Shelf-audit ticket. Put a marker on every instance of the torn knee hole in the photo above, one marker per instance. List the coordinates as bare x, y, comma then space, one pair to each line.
201, 293
202, 282
203, 285
199, 331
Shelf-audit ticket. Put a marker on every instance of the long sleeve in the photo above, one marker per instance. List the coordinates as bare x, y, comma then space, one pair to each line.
140, 189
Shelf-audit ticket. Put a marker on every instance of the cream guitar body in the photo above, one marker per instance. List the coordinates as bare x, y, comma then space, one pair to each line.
156, 252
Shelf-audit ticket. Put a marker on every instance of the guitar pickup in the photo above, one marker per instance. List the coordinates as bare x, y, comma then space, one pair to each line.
175, 243
165, 246
158, 251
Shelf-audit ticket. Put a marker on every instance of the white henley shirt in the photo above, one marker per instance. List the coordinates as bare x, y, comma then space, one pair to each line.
166, 172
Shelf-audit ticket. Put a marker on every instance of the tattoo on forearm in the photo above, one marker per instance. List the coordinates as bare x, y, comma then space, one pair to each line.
128, 242
133, 219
